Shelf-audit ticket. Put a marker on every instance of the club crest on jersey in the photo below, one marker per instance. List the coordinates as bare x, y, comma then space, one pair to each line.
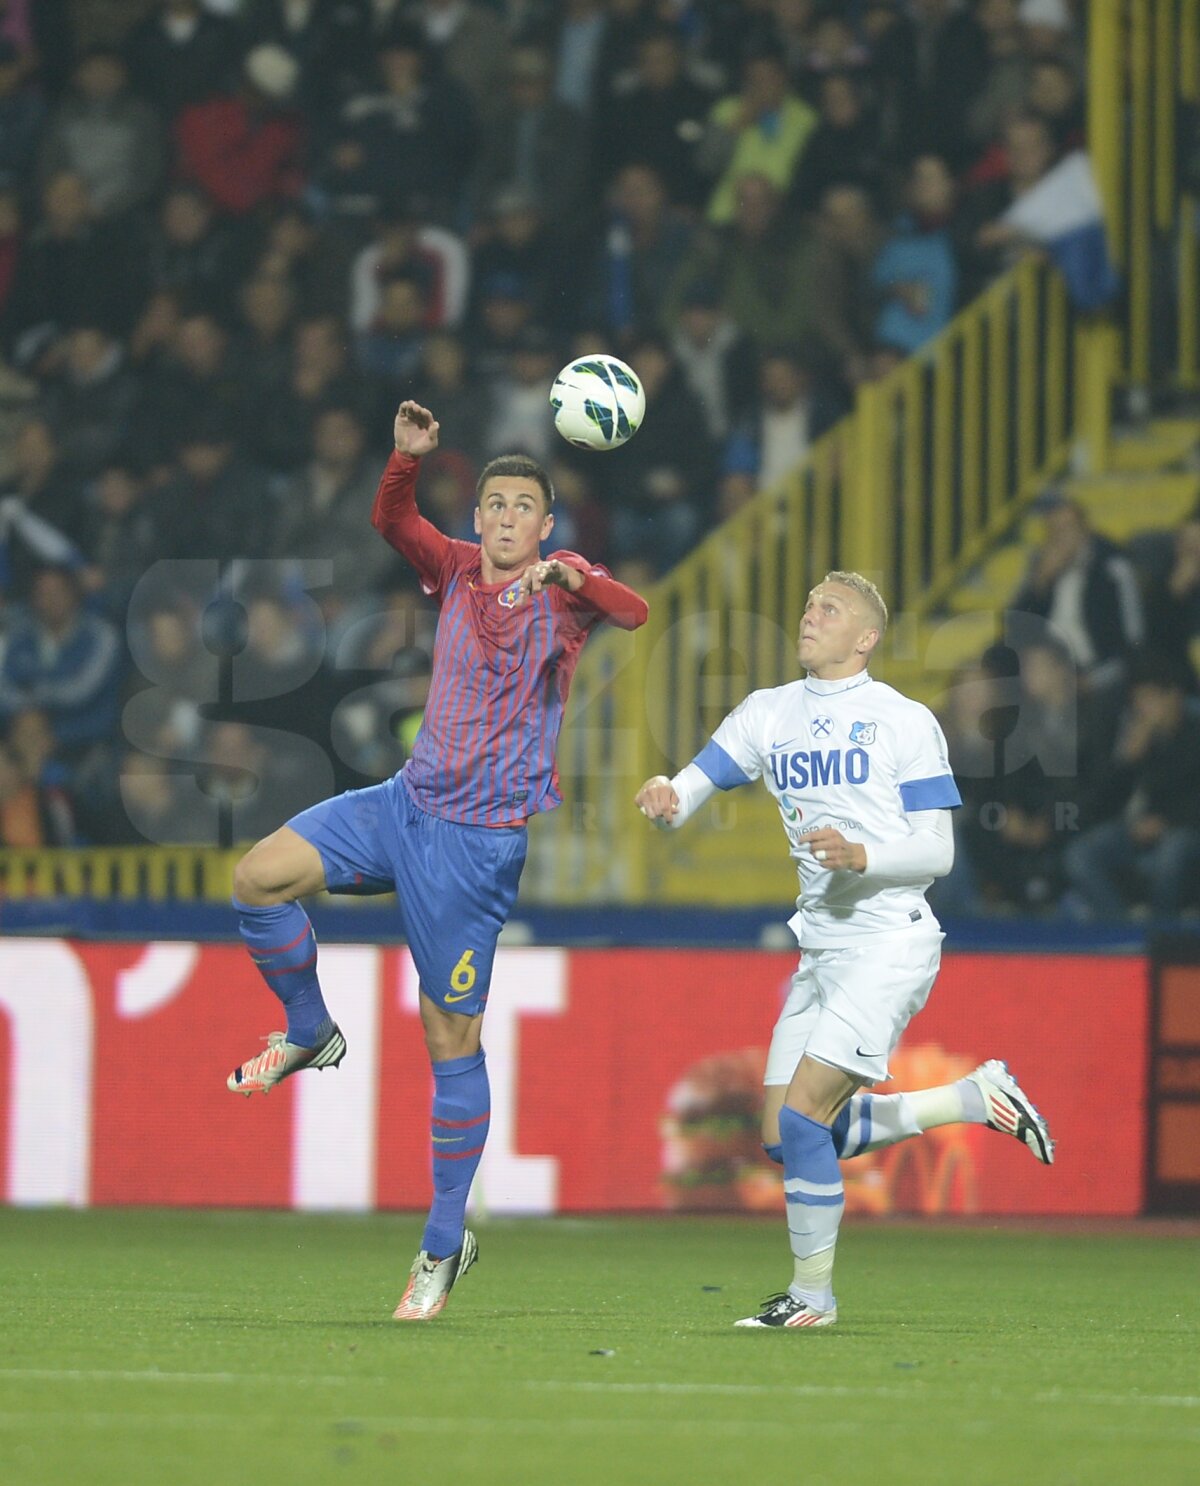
507, 598
863, 732
821, 727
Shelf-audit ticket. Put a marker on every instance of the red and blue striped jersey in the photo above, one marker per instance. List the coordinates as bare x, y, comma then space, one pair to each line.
485, 751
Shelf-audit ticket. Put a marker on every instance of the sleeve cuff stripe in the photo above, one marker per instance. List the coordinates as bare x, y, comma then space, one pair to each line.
719, 767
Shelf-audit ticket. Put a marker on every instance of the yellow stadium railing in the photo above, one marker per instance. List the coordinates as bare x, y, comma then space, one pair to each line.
127, 873
1143, 83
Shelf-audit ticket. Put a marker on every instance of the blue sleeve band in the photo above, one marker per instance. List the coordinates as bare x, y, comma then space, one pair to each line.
938, 793
719, 767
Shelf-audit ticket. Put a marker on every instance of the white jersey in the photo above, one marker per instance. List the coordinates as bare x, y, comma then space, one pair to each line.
854, 755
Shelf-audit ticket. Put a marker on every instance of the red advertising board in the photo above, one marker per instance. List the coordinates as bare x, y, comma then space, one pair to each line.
621, 1079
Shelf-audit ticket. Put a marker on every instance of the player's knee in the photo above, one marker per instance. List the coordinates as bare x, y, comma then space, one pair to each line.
254, 881
449, 1035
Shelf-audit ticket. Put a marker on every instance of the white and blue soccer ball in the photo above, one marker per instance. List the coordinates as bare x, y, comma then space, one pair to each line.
598, 402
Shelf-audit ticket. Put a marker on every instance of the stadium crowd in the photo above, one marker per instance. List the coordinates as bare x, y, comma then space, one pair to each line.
235, 233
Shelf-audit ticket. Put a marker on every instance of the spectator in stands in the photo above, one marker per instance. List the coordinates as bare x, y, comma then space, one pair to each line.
1173, 598
791, 416
402, 244
1027, 155
246, 148
659, 115
190, 252
470, 43
420, 117
321, 507
512, 239
180, 56
30, 816
844, 146
73, 269
1047, 26
250, 778
118, 536
22, 113
716, 359
392, 347
766, 272
952, 64
42, 481
1055, 97
1006, 83
218, 506
444, 382
64, 661
374, 727
1085, 587
1150, 848
157, 805
846, 301
643, 250
313, 259
505, 309
197, 379
892, 38
663, 485
520, 418
90, 404
329, 43
759, 131
12, 237
279, 427
262, 345
916, 270
538, 144
110, 139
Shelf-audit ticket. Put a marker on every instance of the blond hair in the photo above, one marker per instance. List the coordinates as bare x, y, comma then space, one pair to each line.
865, 589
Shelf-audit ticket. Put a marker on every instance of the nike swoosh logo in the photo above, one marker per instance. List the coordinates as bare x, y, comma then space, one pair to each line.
784, 744
445, 1139
453, 996
862, 1054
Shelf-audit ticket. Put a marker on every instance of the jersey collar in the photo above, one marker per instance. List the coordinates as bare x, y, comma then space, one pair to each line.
832, 688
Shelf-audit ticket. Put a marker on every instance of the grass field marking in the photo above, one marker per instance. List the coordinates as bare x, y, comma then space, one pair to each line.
917, 1389
733, 1390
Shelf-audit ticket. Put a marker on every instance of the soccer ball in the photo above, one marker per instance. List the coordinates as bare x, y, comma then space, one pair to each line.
598, 402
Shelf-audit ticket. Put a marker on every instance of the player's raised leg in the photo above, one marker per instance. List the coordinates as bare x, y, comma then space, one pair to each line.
813, 1191
337, 845
869, 1121
279, 936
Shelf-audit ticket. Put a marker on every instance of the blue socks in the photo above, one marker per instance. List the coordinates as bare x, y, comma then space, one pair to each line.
462, 1109
282, 944
812, 1186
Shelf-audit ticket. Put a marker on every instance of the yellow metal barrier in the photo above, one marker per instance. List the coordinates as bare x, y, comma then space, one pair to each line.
122, 873
1143, 71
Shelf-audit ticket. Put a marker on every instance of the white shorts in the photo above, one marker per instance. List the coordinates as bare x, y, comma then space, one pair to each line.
848, 1007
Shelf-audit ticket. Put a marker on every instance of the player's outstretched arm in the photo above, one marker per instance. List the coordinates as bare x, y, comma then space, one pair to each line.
395, 516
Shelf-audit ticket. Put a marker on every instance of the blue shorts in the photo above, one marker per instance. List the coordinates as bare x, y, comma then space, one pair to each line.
456, 883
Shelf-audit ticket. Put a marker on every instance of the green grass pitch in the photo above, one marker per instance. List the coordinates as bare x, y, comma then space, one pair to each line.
216, 1347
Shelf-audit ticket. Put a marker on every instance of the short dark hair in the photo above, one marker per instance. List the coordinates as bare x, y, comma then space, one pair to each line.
521, 467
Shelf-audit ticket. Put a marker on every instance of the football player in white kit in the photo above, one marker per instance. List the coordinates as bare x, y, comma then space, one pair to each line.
864, 788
